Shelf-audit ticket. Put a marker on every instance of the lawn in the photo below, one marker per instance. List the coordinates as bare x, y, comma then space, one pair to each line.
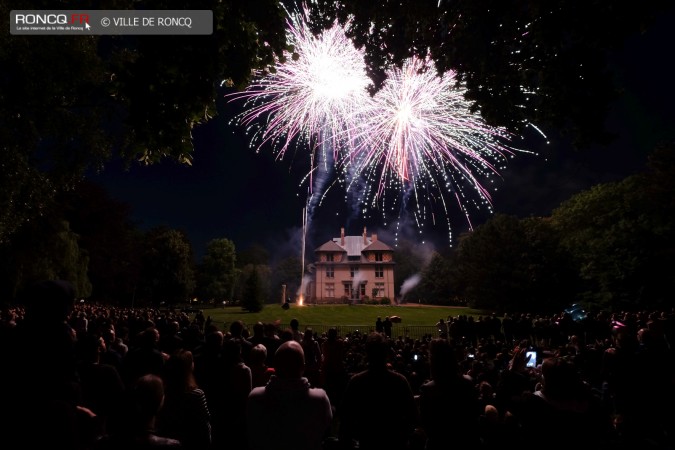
336, 315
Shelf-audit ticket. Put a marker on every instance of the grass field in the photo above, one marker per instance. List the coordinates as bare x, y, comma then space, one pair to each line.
336, 315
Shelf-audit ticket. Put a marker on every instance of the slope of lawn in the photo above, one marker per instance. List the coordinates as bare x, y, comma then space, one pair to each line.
337, 315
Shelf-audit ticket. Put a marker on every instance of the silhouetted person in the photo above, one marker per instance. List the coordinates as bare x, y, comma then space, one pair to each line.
378, 408
387, 325
288, 413
41, 404
185, 415
132, 427
448, 403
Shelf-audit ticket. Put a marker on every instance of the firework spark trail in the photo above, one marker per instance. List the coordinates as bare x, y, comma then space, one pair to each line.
314, 94
415, 141
420, 134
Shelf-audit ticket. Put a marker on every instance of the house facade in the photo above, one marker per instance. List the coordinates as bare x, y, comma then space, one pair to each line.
352, 269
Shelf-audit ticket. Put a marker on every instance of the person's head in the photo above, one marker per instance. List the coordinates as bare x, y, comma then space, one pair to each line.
179, 372
560, 378
376, 350
258, 355
442, 359
289, 360
231, 352
147, 395
286, 335
49, 301
309, 334
295, 324
214, 339
236, 328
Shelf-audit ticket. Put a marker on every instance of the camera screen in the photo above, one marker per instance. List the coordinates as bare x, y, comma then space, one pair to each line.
532, 361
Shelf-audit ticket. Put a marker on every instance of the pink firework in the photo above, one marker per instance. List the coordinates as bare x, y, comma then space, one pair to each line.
419, 134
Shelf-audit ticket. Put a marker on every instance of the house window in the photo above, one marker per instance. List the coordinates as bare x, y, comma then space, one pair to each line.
378, 256
330, 272
330, 290
330, 257
379, 272
348, 290
353, 271
379, 289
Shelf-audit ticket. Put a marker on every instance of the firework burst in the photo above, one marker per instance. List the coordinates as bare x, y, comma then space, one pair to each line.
312, 97
416, 140
420, 135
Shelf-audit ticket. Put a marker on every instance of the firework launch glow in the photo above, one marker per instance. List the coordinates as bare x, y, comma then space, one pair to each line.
416, 141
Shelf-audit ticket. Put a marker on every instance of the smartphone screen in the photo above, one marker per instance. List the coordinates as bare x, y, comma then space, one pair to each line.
532, 361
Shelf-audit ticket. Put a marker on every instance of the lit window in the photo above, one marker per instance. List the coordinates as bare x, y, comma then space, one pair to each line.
379, 289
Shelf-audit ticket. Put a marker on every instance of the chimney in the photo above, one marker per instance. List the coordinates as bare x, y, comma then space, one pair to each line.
374, 237
365, 240
342, 236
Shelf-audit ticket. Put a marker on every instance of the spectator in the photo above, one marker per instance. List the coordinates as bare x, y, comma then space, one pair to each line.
229, 400
387, 326
312, 350
442, 327
101, 384
144, 357
39, 374
448, 403
288, 413
260, 372
185, 415
379, 326
295, 329
237, 335
378, 409
333, 371
133, 425
563, 403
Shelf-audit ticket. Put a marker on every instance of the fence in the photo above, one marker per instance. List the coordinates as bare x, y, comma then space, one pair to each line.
397, 330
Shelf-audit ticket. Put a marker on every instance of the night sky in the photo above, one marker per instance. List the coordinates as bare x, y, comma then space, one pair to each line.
233, 192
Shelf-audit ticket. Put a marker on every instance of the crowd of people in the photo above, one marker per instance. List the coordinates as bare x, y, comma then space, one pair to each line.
95, 377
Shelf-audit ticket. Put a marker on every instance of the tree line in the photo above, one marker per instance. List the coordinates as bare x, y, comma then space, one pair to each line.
610, 246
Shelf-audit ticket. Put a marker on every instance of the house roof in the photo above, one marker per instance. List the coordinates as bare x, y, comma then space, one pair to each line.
353, 245
378, 246
330, 246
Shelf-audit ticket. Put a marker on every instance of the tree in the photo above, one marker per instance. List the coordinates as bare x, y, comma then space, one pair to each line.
521, 62
509, 264
217, 270
621, 236
136, 96
168, 267
435, 287
107, 233
45, 250
253, 254
253, 295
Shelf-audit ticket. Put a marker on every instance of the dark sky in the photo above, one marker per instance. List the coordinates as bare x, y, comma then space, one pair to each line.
233, 192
